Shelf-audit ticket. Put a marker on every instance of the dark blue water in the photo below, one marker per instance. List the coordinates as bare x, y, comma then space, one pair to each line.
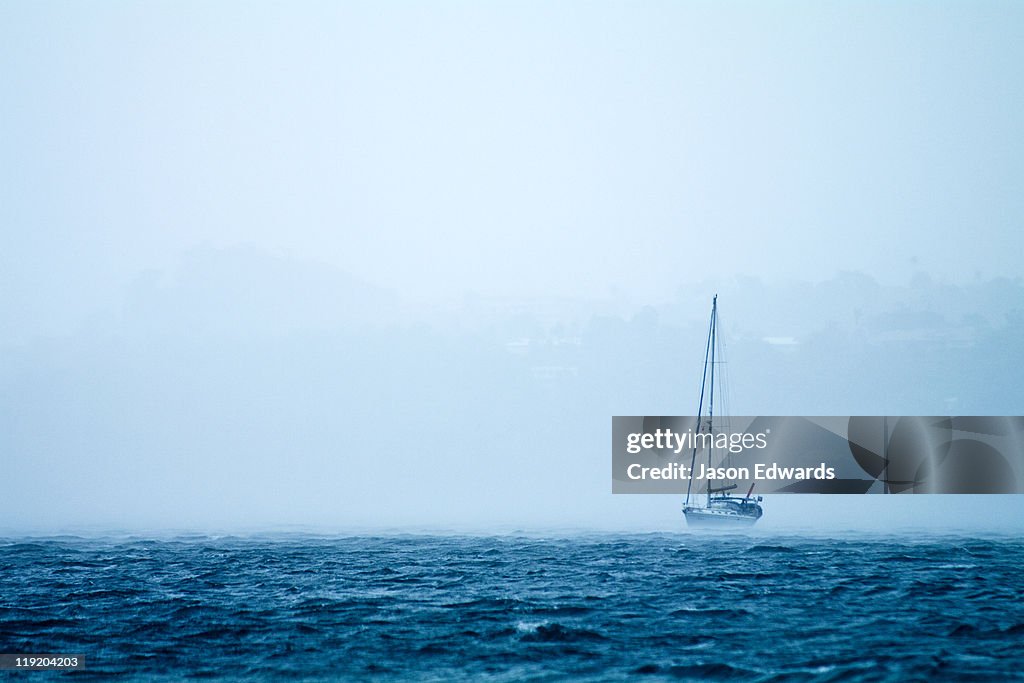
651, 607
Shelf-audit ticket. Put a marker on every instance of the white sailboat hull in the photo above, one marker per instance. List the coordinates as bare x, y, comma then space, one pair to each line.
708, 518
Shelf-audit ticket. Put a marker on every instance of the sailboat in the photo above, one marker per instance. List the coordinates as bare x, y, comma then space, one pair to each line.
720, 508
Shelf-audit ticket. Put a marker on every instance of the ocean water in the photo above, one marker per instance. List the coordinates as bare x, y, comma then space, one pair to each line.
634, 607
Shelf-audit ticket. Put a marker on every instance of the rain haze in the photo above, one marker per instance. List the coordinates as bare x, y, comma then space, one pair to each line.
395, 265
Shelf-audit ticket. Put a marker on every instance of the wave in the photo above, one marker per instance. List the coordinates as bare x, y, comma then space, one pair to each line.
544, 632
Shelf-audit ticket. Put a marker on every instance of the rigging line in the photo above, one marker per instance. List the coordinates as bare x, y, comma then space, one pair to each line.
725, 400
700, 405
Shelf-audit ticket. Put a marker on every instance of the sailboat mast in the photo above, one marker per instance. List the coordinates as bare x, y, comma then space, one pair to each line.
700, 405
711, 393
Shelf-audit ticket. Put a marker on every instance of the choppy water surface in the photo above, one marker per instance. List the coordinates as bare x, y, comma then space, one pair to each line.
650, 607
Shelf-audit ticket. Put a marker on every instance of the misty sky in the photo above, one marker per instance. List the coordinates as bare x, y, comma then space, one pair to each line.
238, 238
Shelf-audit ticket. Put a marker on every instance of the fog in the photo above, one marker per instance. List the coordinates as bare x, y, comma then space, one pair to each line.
245, 391
351, 266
